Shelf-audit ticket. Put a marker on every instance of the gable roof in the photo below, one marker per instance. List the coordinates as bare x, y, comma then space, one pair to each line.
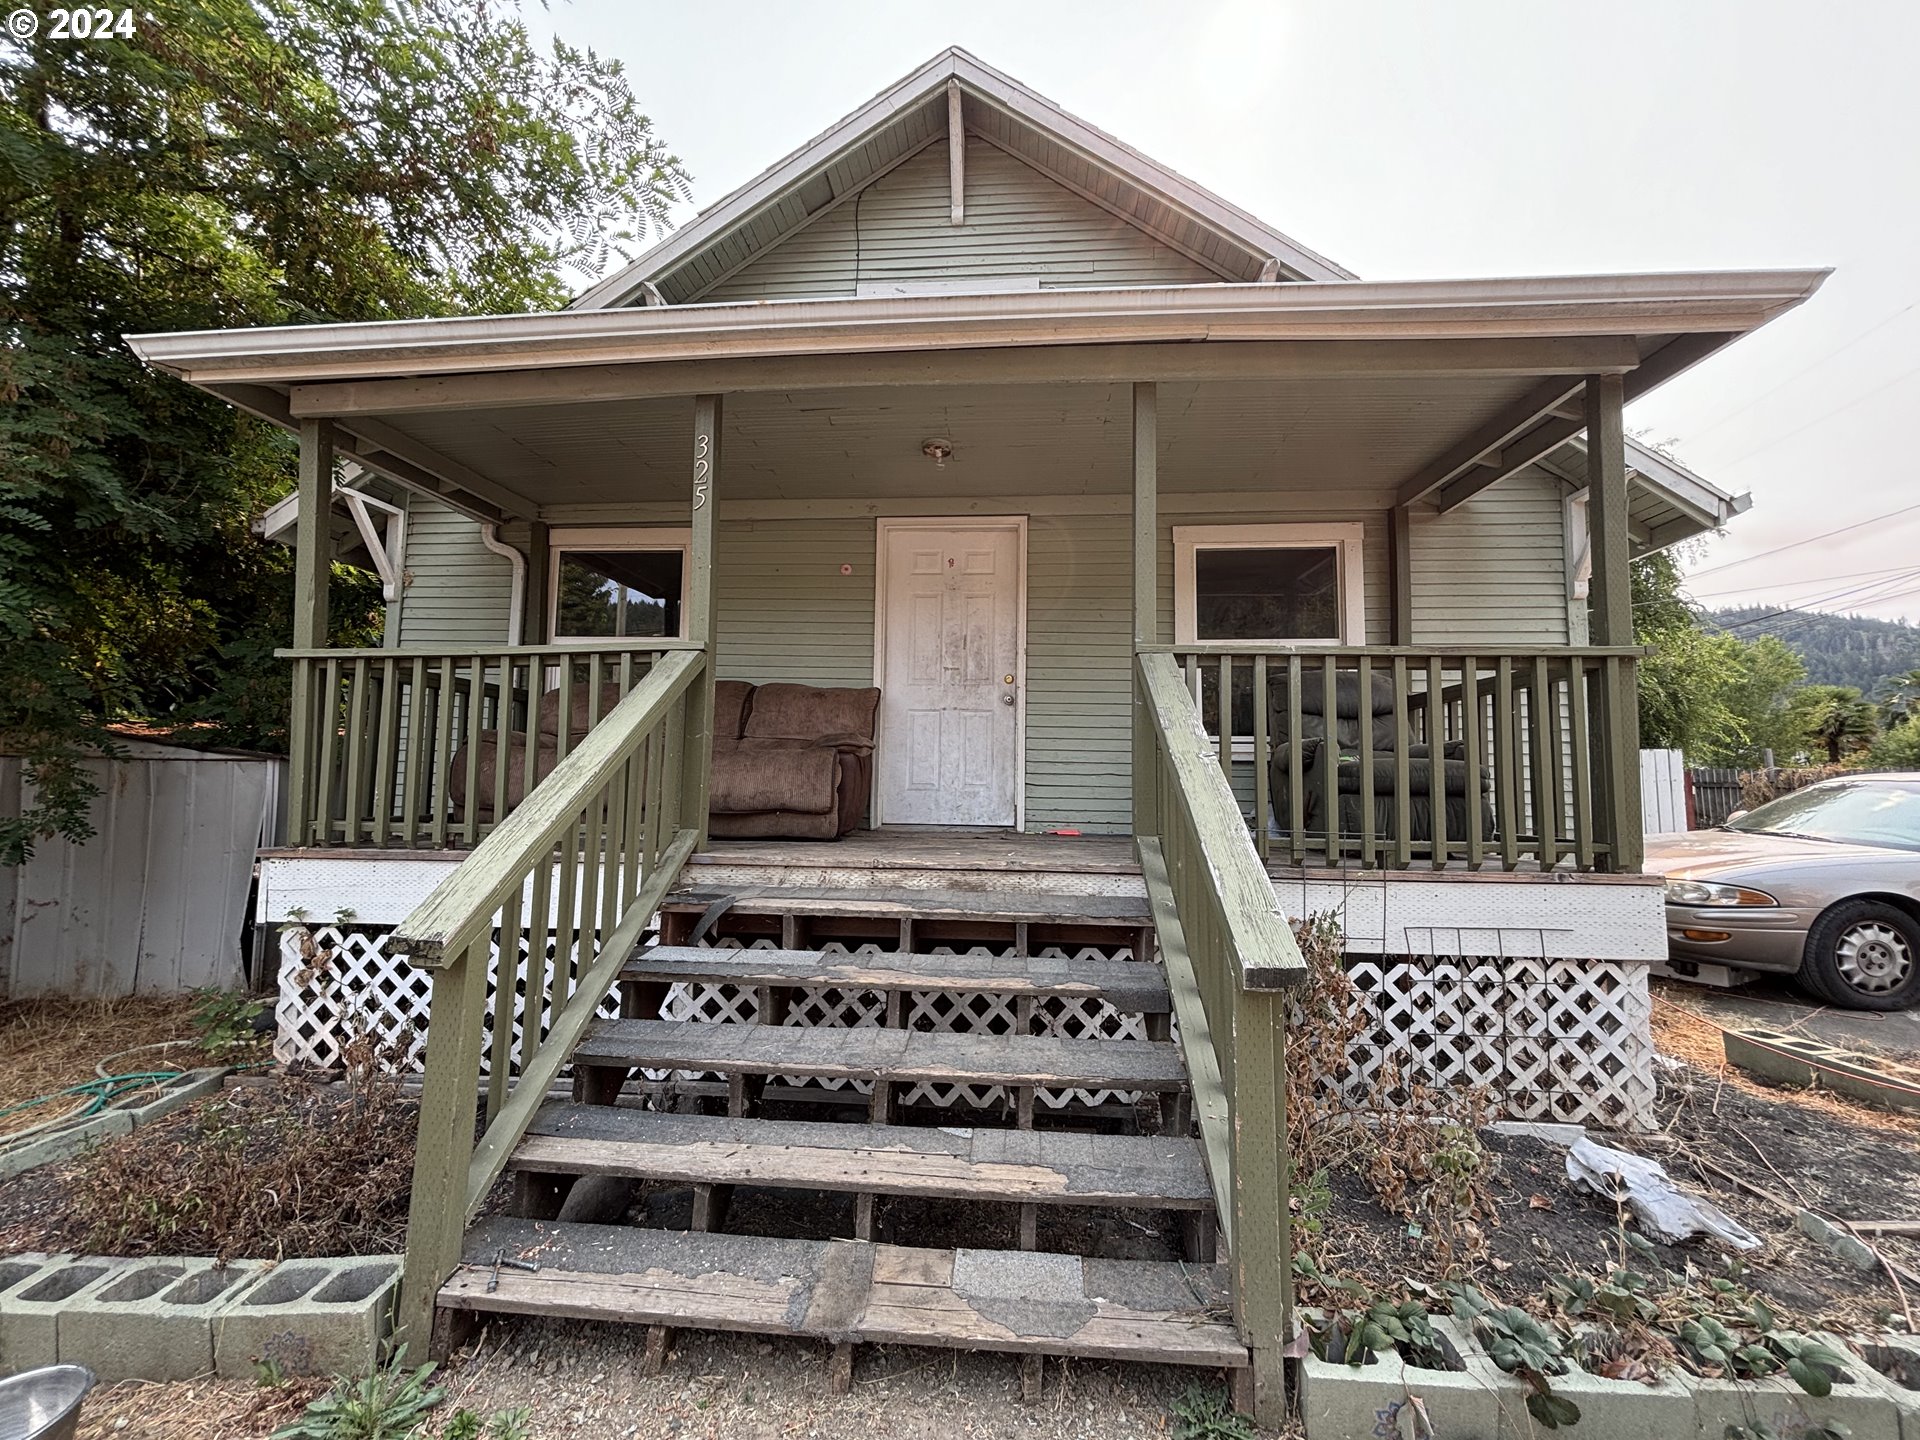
907, 117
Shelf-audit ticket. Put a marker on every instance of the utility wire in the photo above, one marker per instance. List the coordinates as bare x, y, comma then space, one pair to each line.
1819, 419
1810, 540
1818, 602
1798, 584
1742, 409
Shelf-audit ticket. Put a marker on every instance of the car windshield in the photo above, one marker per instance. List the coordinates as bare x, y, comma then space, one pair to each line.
1859, 812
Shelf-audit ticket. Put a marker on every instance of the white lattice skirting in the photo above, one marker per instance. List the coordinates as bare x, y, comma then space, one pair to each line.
1553, 1039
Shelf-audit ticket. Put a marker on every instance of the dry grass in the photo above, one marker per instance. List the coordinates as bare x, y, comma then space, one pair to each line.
51, 1044
205, 1409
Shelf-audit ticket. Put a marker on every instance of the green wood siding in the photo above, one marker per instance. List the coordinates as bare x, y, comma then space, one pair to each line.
1018, 224
783, 609
1494, 570
459, 591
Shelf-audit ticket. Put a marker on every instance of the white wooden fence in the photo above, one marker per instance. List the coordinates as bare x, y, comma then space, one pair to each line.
1663, 791
156, 901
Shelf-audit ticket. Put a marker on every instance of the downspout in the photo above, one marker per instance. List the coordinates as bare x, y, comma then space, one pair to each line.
490, 537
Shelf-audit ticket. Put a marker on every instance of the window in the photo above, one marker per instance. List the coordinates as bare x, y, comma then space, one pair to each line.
1298, 584
617, 584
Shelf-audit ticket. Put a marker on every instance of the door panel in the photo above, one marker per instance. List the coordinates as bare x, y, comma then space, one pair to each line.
949, 716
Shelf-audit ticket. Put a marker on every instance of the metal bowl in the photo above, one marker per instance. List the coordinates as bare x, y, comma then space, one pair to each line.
43, 1404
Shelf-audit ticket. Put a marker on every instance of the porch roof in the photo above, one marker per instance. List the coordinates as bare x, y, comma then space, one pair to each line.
1407, 392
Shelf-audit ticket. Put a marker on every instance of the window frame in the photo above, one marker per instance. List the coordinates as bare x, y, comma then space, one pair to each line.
562, 539
1348, 540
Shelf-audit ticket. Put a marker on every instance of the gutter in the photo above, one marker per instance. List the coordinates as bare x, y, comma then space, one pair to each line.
1664, 304
516, 601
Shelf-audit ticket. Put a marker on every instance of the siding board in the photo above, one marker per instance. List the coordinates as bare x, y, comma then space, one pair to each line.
459, 591
1494, 570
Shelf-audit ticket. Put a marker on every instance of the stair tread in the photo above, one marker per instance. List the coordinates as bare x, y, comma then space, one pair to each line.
875, 1053
1127, 984
852, 1290
1009, 906
1044, 1166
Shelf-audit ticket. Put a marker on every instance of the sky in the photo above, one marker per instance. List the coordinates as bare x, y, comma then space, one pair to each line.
1408, 139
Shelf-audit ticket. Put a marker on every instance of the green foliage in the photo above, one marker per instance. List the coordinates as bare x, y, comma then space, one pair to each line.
501, 1425
386, 1405
1857, 650
225, 1020
1898, 748
1203, 1412
1836, 719
1355, 1337
1522, 1346
240, 162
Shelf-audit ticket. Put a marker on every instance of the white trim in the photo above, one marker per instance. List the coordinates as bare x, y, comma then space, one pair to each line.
561, 538
517, 590
1348, 539
928, 85
1015, 523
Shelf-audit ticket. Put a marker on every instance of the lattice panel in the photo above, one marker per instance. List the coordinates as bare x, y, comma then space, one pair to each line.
1554, 1039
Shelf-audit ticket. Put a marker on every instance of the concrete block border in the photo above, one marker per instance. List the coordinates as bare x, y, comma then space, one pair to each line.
83, 1135
1878, 1398
162, 1318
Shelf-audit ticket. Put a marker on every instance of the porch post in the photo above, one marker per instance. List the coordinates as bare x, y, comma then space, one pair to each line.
1400, 558
1146, 596
1611, 604
533, 604
697, 755
312, 562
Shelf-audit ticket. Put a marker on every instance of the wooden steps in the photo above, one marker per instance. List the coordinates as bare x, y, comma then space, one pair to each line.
849, 1290
994, 906
1026, 1166
1128, 985
885, 1056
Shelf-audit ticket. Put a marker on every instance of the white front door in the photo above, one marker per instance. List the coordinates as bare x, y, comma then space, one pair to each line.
949, 671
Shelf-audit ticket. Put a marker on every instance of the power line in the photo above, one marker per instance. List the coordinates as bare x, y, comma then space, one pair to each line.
1742, 409
1816, 604
1819, 419
1797, 584
1811, 539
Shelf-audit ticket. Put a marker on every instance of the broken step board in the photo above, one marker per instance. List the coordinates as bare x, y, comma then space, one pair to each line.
905, 1057
1160, 1312
1029, 1166
1127, 985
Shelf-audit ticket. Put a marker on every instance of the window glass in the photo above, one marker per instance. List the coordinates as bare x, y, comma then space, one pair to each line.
1290, 593
619, 594
1862, 812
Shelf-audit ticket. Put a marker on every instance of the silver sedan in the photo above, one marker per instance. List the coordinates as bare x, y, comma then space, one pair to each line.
1822, 884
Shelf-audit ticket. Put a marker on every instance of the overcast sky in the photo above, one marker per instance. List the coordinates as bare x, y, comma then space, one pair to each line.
1408, 139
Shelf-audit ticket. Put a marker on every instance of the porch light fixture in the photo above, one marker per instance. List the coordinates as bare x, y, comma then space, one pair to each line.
938, 451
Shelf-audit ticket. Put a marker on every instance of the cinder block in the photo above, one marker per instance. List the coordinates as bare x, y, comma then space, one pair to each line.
1896, 1359
30, 1312
190, 1085
1473, 1399
153, 1322
1627, 1409
1861, 1401
310, 1317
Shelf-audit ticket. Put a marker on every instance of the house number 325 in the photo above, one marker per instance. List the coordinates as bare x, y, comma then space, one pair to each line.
702, 468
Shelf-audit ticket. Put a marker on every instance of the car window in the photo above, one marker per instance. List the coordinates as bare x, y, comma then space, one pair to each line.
1861, 812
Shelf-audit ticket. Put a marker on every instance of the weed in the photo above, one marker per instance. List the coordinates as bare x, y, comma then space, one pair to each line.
225, 1021
1522, 1346
386, 1405
1203, 1412
502, 1425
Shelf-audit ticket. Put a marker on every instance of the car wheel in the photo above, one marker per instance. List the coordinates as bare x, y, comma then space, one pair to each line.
1864, 955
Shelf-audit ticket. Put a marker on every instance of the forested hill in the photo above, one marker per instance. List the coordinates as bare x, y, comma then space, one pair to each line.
1838, 649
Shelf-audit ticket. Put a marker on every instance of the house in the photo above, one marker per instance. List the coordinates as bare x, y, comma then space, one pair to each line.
1202, 585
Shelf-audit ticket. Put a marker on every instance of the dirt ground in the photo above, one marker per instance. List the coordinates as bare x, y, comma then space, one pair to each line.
51, 1044
1775, 1004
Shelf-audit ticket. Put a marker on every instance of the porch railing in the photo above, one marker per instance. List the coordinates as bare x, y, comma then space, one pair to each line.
1404, 758
1229, 954
411, 749
574, 876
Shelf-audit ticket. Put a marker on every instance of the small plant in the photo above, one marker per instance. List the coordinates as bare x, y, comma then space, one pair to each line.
386, 1405
502, 1425
1203, 1412
1358, 1336
1520, 1345
225, 1021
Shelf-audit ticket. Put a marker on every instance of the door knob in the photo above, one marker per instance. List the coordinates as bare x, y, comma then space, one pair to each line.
1006, 699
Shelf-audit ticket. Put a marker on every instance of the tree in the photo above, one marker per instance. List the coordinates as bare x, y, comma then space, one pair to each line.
1836, 717
1758, 694
241, 162
1898, 748
1902, 701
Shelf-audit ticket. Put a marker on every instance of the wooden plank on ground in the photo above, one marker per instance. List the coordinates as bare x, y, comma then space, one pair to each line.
896, 1056
849, 1290
1035, 1166
1129, 985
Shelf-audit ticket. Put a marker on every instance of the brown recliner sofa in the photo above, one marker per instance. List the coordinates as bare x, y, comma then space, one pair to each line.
546, 748
790, 761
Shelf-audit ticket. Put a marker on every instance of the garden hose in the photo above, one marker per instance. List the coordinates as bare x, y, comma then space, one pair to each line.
84, 1101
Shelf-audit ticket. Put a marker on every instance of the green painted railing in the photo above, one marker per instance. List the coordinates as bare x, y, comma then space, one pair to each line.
1229, 955
429, 749
1492, 757
574, 874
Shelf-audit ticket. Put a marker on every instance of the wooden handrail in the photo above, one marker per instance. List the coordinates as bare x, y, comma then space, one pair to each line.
577, 870
1387, 652
639, 646
449, 919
